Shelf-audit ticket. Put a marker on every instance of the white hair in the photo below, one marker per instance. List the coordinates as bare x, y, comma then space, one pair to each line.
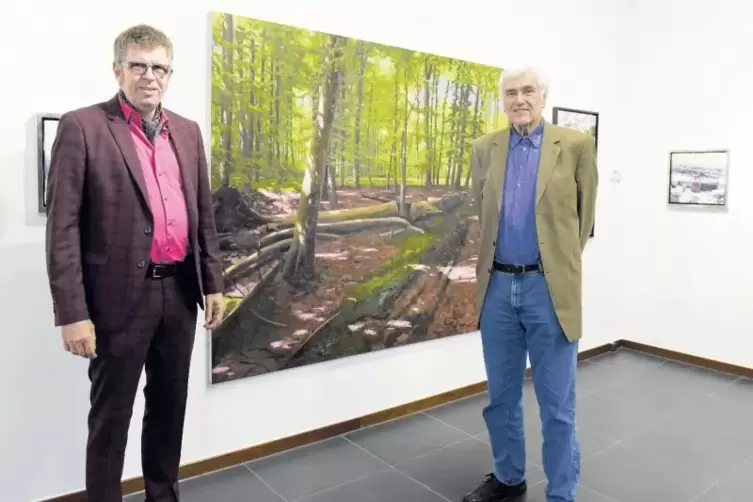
509, 74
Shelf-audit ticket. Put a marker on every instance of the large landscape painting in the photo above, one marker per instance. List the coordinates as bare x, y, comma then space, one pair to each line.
342, 194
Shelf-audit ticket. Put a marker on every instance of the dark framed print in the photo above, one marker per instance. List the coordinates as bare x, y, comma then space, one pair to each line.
47, 127
698, 177
581, 120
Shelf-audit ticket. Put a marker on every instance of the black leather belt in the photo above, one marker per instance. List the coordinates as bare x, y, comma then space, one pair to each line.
162, 270
516, 269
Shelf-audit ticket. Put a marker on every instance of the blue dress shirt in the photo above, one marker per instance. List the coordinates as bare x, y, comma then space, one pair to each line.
517, 241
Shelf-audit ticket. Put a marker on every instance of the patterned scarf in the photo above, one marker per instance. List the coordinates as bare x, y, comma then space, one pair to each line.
151, 127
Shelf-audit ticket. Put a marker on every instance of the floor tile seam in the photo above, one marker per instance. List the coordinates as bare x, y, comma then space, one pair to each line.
408, 476
394, 468
328, 489
723, 477
447, 424
706, 490
608, 498
264, 482
631, 436
528, 461
634, 435
718, 393
293, 449
369, 452
405, 462
422, 455
728, 384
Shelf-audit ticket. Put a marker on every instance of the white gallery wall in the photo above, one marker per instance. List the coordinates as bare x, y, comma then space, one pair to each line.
688, 272
60, 55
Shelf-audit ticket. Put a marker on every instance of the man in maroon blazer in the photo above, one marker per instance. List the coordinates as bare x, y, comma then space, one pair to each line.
131, 255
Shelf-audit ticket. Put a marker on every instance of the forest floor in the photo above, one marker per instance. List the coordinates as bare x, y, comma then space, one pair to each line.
407, 288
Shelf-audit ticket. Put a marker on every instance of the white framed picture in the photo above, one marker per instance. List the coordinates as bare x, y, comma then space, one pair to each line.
698, 177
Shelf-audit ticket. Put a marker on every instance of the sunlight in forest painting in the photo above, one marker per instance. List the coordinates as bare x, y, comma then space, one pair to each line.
341, 193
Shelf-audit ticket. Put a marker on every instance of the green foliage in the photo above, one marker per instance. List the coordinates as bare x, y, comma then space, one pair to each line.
265, 83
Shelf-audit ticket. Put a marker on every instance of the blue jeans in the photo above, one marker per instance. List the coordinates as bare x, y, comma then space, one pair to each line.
518, 317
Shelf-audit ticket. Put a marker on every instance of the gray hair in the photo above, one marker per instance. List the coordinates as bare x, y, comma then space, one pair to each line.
141, 35
509, 74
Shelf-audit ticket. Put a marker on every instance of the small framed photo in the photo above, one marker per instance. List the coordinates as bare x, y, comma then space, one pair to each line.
581, 120
698, 177
47, 127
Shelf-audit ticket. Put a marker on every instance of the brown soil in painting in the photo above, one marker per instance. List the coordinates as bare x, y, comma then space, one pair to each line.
457, 310
283, 326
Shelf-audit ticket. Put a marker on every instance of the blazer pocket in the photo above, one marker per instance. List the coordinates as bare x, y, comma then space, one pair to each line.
95, 258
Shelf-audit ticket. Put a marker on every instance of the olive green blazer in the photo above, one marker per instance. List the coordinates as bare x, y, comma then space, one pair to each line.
565, 203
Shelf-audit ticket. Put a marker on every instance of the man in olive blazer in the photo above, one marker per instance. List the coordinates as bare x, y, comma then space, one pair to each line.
534, 186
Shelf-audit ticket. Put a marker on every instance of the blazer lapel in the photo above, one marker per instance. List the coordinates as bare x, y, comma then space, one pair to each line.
550, 151
121, 132
497, 165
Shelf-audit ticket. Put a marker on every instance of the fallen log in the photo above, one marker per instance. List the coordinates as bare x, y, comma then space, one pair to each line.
387, 209
375, 197
250, 239
242, 266
231, 281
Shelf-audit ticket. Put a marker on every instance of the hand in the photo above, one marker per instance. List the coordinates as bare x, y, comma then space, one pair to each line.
79, 339
214, 310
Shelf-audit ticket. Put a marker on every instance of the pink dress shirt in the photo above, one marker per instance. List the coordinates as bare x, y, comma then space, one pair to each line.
164, 187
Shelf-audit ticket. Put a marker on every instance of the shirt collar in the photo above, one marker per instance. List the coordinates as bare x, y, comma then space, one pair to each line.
130, 113
534, 137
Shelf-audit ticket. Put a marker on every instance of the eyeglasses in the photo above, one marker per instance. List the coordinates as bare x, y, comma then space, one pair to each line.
159, 70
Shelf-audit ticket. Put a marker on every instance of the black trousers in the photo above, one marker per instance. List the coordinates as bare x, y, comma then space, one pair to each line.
159, 338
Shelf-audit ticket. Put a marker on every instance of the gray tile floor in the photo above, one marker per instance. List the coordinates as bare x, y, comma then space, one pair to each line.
651, 430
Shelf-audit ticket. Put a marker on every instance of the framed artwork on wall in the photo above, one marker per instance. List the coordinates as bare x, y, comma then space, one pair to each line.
47, 127
581, 120
698, 177
368, 248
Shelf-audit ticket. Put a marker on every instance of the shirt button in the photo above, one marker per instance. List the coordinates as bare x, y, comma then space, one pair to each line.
148, 230
141, 264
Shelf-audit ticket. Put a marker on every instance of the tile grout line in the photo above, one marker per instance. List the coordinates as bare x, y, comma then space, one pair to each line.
722, 477
470, 436
255, 474
340, 485
404, 474
424, 455
607, 497
436, 419
394, 468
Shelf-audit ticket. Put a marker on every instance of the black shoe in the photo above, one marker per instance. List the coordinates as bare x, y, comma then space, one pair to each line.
493, 490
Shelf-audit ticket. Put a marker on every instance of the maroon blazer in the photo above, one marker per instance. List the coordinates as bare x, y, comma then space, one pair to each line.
99, 223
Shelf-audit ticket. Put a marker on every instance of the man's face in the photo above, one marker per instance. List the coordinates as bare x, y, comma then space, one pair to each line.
144, 76
524, 100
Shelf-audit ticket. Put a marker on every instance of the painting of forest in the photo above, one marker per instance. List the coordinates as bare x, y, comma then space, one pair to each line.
341, 193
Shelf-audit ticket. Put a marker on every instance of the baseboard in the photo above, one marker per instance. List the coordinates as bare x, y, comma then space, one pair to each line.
231, 459
703, 362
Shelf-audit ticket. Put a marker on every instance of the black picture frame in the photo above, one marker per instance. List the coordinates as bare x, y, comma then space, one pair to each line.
698, 178
582, 120
47, 124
